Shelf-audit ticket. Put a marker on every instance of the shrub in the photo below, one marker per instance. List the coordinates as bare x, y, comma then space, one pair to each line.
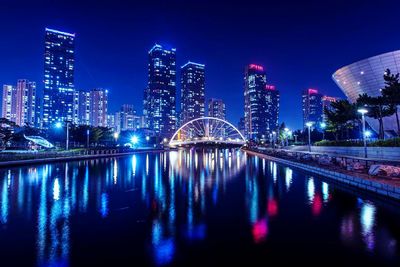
393, 142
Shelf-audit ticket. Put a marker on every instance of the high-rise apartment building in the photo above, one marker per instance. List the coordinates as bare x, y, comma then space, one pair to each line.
98, 107
58, 77
160, 94
312, 107
81, 107
8, 102
272, 102
255, 105
19, 103
192, 91
216, 108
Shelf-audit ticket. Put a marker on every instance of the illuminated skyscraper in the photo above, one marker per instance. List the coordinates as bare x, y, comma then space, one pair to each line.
216, 108
8, 102
98, 107
192, 91
58, 77
255, 106
326, 104
272, 101
160, 94
81, 109
312, 107
25, 103
19, 103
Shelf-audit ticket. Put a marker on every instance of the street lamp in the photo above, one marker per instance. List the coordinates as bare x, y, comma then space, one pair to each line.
273, 139
87, 137
323, 126
363, 111
116, 135
309, 124
59, 125
286, 136
134, 140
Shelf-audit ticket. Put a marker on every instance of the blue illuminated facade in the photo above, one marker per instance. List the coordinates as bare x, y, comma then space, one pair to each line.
58, 77
255, 105
192, 91
160, 94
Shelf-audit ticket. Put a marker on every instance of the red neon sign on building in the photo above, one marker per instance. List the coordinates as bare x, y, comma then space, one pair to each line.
256, 67
312, 91
270, 87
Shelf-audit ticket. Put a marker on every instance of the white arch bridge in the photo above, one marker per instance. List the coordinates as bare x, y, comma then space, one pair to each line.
207, 130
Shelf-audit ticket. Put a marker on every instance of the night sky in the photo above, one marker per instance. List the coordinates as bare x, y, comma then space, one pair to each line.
300, 44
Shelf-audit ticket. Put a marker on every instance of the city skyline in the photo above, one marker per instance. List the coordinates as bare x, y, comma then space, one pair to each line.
123, 67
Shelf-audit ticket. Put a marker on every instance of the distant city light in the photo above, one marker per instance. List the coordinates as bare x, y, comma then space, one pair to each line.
256, 67
323, 125
312, 91
134, 140
58, 125
362, 111
368, 133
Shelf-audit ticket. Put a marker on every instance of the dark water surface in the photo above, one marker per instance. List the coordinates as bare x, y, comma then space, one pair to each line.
189, 208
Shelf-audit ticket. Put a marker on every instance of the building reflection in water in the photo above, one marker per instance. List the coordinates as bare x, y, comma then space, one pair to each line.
173, 185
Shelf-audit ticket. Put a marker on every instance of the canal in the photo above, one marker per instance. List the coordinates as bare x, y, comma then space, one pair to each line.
189, 208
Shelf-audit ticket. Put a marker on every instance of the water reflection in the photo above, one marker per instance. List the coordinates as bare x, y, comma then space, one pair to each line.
181, 195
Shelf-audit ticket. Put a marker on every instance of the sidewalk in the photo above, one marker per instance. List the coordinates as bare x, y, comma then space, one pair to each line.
380, 185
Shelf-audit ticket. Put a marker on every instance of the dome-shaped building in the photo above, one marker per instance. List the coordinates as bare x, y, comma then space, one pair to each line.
366, 76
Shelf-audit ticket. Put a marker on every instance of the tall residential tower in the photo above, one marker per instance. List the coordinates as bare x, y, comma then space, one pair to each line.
312, 107
58, 77
160, 94
216, 108
255, 107
192, 91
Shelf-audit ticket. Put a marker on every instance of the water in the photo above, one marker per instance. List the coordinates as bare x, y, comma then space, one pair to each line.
188, 208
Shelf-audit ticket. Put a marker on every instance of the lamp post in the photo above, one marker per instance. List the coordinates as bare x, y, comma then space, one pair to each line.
286, 136
87, 138
59, 125
363, 111
273, 139
323, 126
116, 135
309, 124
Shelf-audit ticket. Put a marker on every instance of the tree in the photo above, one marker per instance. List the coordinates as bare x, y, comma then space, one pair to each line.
340, 117
377, 109
391, 93
6, 131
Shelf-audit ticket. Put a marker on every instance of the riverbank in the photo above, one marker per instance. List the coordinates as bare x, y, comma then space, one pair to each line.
81, 155
381, 186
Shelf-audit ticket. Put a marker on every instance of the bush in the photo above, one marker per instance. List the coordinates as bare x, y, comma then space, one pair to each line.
393, 142
339, 143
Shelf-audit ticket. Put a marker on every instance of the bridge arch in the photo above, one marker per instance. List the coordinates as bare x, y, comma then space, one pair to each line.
207, 130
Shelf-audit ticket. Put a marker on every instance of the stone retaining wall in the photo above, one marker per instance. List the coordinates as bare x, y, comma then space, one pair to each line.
368, 185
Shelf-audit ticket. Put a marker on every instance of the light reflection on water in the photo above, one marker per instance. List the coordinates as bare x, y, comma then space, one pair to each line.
182, 195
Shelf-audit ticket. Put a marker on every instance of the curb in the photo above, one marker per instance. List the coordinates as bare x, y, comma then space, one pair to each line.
367, 185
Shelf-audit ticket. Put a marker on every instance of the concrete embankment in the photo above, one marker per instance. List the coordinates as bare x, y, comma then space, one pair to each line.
375, 185
11, 163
